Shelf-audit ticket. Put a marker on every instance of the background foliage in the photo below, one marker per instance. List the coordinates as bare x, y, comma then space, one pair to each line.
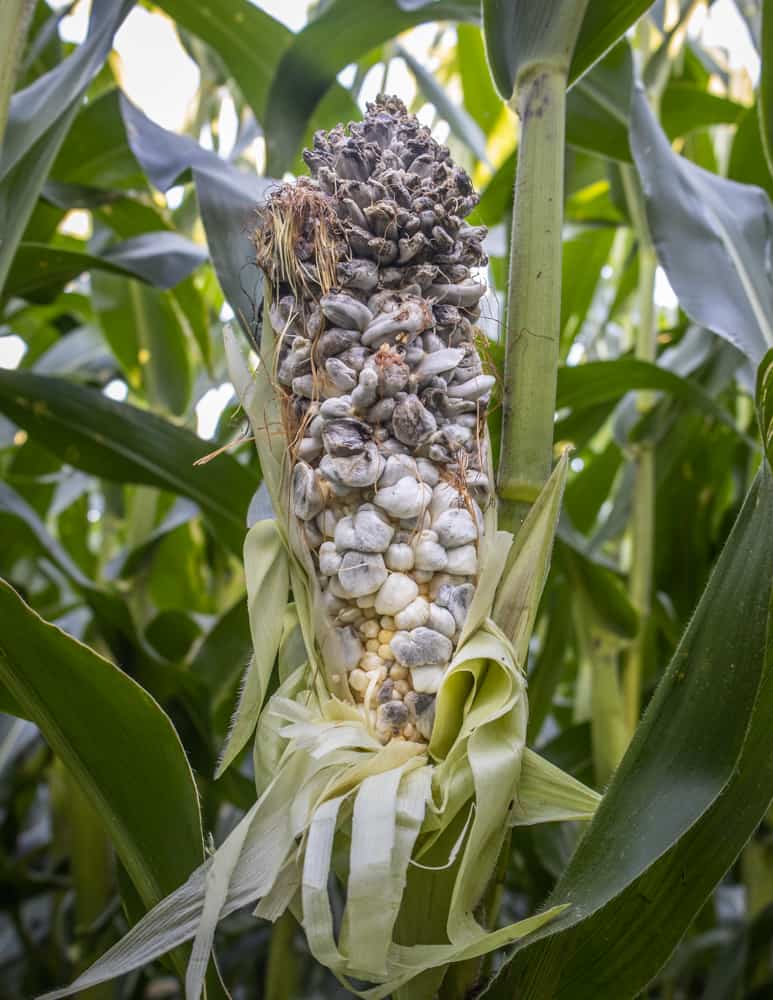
126, 249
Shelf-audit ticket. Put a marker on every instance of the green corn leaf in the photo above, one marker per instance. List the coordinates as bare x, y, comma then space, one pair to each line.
523, 33
146, 333
228, 199
710, 235
268, 580
694, 784
40, 117
40, 271
125, 444
105, 727
528, 562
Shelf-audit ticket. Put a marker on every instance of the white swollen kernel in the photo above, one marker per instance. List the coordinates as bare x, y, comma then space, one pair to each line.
396, 468
350, 648
406, 498
397, 591
429, 555
422, 647
438, 582
426, 680
399, 557
358, 680
307, 496
326, 522
366, 532
441, 620
428, 472
361, 573
459, 602
455, 527
329, 559
392, 716
473, 388
444, 497
439, 362
463, 561
415, 614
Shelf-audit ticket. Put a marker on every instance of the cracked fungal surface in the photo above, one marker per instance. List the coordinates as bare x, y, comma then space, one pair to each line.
384, 399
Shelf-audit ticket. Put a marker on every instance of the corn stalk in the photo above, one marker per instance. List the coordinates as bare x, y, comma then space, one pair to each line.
534, 281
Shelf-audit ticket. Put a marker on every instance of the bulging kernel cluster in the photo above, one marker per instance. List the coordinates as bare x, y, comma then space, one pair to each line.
385, 396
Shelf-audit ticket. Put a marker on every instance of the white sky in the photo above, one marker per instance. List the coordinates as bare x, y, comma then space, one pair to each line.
158, 76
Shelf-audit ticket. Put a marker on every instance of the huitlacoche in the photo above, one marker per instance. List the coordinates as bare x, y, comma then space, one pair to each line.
374, 302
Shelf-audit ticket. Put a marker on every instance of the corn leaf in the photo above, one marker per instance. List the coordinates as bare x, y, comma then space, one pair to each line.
67, 689
523, 33
40, 117
163, 259
125, 444
710, 235
694, 784
228, 199
267, 575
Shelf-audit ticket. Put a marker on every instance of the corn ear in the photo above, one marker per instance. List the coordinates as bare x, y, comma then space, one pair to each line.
386, 809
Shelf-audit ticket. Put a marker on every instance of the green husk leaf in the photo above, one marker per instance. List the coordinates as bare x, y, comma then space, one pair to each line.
528, 562
547, 794
267, 577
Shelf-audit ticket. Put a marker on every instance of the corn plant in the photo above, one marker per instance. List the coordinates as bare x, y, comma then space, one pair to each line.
504, 724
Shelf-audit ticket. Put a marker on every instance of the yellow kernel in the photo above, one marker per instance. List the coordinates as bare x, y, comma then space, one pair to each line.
387, 622
372, 645
409, 731
385, 652
385, 635
402, 687
398, 673
369, 629
370, 661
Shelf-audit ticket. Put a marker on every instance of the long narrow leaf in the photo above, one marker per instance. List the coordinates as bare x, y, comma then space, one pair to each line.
125, 444
694, 784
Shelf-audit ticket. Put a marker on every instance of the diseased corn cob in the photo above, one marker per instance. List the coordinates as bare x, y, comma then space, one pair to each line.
383, 449
384, 401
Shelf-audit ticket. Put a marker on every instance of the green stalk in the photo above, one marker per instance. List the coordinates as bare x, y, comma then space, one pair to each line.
282, 967
534, 294
15, 17
643, 516
91, 867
